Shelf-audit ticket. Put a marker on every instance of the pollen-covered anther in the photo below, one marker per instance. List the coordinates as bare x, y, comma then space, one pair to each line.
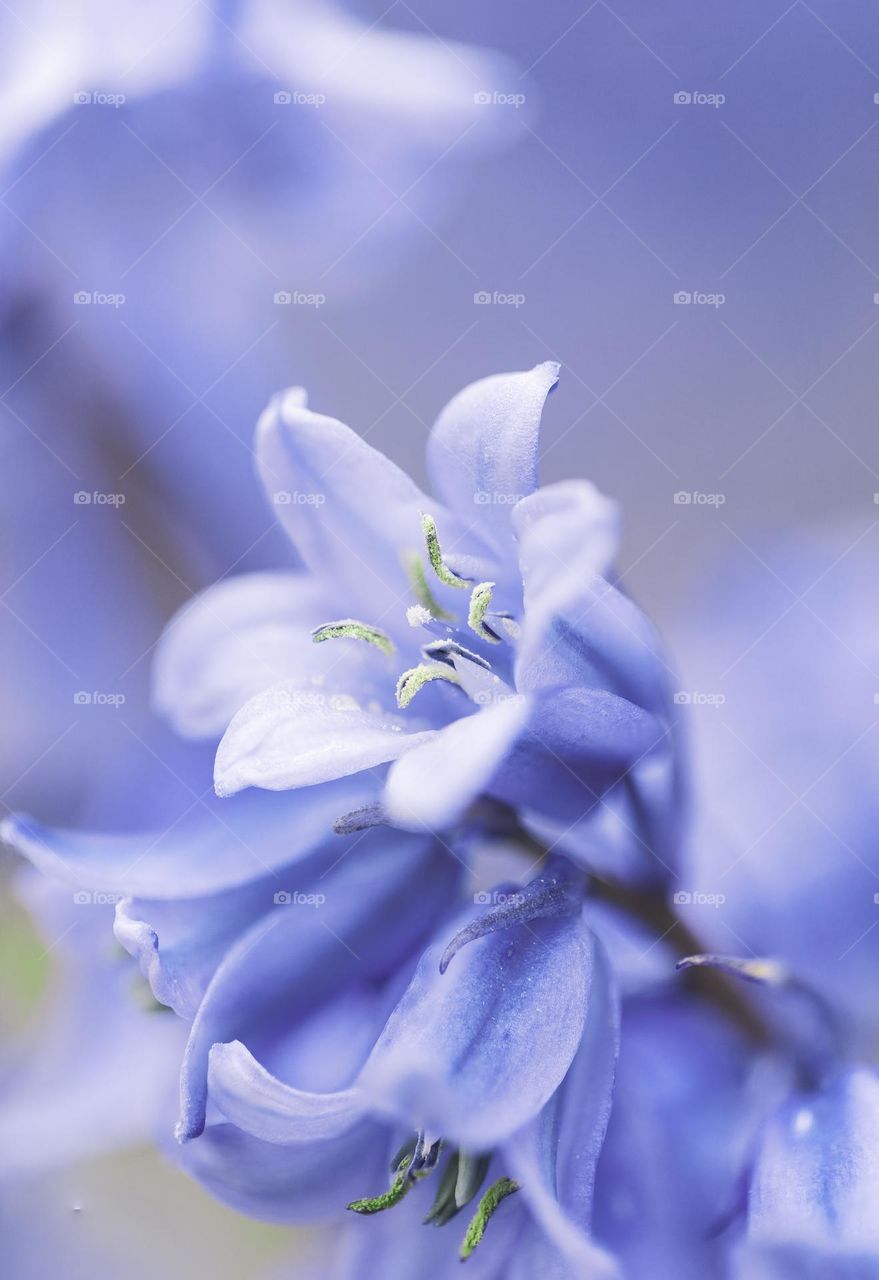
368, 815
489, 1203
480, 602
440, 568
351, 629
416, 678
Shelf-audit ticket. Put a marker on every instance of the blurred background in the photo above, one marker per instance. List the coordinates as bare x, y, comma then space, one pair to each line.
203, 202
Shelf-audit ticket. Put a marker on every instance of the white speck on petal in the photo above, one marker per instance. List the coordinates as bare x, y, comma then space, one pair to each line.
417, 615
803, 1122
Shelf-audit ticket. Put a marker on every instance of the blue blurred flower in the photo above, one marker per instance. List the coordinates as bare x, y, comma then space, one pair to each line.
542, 709
813, 1188
168, 189
476, 640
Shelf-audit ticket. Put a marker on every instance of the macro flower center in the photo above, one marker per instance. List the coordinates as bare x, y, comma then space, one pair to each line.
439, 654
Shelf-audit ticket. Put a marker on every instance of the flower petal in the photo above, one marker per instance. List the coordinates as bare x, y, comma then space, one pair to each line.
579, 629
690, 1095
307, 1184
457, 1055
292, 736
262, 1105
555, 1157
300, 955
482, 452
232, 640
351, 513
816, 1178
218, 845
430, 788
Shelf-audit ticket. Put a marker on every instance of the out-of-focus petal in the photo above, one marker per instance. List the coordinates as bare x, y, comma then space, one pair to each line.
457, 1055
688, 1100
232, 640
579, 629
305, 951
431, 787
306, 1184
292, 736
482, 452
815, 1184
218, 845
555, 1157
351, 513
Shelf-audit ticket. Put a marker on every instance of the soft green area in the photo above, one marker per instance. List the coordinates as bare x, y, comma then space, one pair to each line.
24, 966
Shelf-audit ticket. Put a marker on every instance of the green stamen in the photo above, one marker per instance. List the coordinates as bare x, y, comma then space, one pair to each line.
428, 524
487, 1205
479, 604
421, 589
444, 1208
471, 1175
351, 629
416, 678
401, 1186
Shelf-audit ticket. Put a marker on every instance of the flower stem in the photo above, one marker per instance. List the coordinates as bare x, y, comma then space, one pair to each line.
653, 910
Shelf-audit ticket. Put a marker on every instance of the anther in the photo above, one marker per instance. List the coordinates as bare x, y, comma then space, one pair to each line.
445, 575
480, 600
496, 1193
416, 678
351, 629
